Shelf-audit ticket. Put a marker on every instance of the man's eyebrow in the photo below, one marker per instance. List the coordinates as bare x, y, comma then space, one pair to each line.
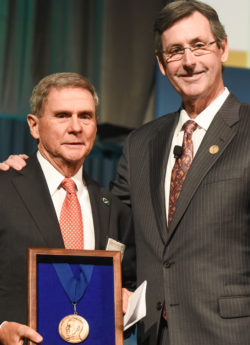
193, 40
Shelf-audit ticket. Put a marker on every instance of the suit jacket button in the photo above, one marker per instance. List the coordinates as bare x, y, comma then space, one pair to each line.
167, 264
159, 306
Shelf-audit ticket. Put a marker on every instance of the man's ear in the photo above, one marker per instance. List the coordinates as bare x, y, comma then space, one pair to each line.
33, 122
224, 50
161, 66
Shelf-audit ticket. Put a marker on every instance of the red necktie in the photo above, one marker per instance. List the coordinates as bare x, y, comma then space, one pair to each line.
181, 167
71, 217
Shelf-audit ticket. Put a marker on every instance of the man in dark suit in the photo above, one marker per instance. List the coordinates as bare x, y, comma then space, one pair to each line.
193, 250
64, 122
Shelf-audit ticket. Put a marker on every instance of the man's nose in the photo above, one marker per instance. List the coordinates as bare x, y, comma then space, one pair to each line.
75, 124
188, 58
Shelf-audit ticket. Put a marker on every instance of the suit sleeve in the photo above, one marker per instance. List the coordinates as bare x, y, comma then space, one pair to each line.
126, 236
121, 185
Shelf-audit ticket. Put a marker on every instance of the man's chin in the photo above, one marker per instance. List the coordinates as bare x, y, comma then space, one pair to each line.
193, 93
74, 160
75, 155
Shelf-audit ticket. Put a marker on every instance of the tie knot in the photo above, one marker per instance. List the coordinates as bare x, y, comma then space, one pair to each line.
69, 185
189, 126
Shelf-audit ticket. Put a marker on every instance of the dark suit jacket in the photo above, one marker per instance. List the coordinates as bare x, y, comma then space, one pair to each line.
200, 266
28, 219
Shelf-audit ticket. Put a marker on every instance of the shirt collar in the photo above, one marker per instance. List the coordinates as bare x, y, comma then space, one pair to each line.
54, 178
205, 118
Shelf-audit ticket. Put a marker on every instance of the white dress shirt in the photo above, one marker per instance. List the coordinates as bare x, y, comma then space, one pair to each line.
203, 121
54, 179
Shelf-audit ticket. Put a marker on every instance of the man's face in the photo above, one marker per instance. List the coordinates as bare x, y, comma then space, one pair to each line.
67, 128
72, 328
194, 77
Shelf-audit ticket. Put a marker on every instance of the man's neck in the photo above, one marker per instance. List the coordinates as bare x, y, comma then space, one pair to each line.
67, 169
195, 106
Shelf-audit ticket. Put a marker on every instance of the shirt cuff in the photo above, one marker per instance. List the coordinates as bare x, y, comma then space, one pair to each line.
2, 323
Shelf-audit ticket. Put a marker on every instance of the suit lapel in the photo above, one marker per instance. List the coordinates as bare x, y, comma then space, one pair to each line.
159, 148
101, 207
31, 185
32, 189
220, 133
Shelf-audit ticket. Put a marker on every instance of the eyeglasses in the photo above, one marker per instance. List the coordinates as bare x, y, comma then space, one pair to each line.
176, 53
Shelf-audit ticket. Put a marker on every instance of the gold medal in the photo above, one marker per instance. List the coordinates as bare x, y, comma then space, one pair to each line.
73, 329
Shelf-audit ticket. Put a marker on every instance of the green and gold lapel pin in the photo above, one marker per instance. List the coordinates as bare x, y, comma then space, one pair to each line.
105, 201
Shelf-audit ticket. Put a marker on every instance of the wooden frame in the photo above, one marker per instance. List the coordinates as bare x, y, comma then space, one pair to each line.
35, 255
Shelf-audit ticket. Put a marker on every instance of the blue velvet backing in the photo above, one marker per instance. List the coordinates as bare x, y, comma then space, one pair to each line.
96, 306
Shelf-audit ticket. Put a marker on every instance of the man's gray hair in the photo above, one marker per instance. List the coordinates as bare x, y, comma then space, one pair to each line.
59, 81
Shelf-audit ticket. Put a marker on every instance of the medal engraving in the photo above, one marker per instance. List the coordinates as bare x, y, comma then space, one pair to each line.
73, 329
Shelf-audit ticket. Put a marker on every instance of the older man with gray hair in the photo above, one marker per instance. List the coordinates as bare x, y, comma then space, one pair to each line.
36, 202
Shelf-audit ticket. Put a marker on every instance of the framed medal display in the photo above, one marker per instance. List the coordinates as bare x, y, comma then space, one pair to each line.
75, 296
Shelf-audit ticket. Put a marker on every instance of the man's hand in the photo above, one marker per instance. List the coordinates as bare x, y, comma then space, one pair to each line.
12, 333
125, 297
16, 162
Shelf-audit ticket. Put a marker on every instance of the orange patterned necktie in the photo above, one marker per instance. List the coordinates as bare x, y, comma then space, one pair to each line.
71, 217
181, 167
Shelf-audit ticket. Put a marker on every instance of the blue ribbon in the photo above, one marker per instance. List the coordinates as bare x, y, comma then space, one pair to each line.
74, 287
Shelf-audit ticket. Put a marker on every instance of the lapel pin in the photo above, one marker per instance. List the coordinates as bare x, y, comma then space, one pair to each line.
214, 149
105, 201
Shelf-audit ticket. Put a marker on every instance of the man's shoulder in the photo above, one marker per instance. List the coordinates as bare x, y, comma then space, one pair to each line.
32, 168
152, 130
244, 107
5, 175
234, 110
155, 124
232, 101
6, 182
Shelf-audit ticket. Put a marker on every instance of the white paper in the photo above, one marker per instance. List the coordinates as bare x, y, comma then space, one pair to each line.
115, 245
136, 307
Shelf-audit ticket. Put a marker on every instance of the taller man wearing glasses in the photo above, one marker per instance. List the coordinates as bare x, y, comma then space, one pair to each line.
187, 179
